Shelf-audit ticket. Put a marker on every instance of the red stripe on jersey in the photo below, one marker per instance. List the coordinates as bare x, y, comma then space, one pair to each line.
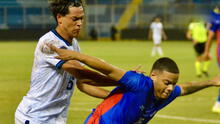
218, 36
105, 106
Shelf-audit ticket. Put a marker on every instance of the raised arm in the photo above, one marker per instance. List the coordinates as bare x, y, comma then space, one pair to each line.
191, 87
164, 35
95, 63
88, 76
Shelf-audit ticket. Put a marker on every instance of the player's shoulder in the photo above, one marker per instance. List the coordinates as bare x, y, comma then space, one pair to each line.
139, 77
48, 35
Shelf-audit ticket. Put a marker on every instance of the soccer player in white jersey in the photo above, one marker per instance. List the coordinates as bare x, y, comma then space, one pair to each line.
52, 85
156, 33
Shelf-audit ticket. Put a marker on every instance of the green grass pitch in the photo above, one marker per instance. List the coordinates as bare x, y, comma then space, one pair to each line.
16, 60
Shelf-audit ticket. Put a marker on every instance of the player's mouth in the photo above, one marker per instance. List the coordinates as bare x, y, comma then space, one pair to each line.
166, 94
76, 32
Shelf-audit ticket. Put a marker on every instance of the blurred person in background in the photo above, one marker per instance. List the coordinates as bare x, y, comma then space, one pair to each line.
214, 30
52, 83
93, 34
156, 33
197, 32
113, 33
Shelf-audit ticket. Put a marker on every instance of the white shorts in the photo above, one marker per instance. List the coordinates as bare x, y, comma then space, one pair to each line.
58, 120
157, 40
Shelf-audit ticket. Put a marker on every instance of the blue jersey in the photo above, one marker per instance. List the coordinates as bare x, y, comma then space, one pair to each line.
215, 21
132, 103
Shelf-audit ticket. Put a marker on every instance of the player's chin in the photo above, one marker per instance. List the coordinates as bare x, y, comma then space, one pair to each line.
76, 34
164, 96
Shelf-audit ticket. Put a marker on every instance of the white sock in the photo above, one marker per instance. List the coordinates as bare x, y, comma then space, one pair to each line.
153, 52
160, 51
217, 104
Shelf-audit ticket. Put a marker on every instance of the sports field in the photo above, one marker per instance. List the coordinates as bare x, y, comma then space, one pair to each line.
16, 60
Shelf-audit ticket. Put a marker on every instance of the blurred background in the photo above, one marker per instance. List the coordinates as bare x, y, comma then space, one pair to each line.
29, 19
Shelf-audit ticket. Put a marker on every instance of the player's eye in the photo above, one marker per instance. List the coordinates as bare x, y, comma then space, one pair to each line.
76, 19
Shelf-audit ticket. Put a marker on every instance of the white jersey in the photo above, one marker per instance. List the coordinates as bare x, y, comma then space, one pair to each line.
51, 87
156, 28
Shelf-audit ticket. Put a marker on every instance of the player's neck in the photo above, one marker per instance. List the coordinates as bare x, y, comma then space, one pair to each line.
63, 34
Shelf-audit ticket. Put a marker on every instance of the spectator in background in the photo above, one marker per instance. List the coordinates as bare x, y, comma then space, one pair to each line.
214, 30
156, 33
113, 32
197, 32
93, 34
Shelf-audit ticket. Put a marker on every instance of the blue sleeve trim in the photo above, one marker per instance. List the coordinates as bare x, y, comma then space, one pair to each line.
178, 90
59, 64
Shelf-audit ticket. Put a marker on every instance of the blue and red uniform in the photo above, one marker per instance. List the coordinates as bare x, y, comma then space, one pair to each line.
215, 27
133, 102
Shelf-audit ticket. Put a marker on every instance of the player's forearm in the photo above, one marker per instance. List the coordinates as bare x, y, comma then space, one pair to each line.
92, 90
95, 63
100, 65
92, 77
191, 87
209, 41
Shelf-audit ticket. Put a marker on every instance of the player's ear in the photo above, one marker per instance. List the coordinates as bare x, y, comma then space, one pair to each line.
59, 18
153, 74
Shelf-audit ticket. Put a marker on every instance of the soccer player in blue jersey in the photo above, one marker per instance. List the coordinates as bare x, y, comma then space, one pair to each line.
138, 97
214, 29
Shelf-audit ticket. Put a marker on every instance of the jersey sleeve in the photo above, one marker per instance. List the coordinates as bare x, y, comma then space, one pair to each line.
161, 25
135, 81
176, 92
49, 56
213, 27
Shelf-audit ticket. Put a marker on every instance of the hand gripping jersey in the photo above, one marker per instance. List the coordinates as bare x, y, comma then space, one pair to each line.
51, 87
132, 103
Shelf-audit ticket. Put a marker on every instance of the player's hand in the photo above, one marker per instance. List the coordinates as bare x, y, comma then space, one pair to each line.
216, 80
137, 69
63, 54
206, 56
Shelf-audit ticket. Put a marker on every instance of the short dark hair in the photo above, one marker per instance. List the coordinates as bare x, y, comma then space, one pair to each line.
165, 64
62, 6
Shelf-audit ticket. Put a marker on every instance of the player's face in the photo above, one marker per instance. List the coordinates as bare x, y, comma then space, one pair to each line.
71, 24
164, 83
157, 19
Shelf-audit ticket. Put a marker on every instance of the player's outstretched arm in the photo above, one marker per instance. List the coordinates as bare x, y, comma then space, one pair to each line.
86, 75
95, 63
191, 87
208, 44
92, 90
87, 80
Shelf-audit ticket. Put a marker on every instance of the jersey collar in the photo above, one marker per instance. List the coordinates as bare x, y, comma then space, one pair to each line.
61, 38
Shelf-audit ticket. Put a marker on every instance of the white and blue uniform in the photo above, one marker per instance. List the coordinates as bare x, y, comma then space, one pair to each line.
156, 28
51, 88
